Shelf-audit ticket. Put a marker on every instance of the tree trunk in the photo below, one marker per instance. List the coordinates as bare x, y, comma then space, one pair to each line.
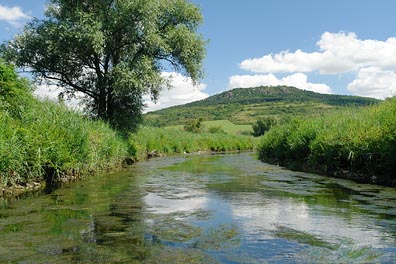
102, 104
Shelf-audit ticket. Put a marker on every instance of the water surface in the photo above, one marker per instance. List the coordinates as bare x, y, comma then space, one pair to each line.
202, 209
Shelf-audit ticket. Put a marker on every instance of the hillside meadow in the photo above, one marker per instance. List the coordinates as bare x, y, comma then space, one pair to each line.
244, 106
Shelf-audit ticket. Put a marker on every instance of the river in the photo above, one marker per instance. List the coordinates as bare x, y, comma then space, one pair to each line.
202, 209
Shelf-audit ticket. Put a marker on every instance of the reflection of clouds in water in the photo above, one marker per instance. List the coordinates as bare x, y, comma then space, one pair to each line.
162, 205
266, 214
260, 218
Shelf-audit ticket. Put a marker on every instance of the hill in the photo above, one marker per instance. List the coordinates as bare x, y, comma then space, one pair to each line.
246, 105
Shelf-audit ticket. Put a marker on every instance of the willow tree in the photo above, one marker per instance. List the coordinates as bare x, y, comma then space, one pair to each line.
111, 51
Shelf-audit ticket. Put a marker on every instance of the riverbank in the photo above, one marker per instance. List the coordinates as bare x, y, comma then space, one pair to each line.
44, 143
357, 144
119, 152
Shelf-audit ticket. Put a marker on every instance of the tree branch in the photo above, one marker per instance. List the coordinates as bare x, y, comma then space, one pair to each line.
63, 79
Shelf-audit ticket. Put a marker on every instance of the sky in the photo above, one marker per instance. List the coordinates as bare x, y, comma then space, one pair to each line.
335, 47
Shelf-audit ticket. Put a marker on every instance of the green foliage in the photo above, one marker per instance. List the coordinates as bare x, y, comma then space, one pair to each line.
45, 140
14, 91
50, 141
158, 141
194, 125
111, 51
225, 125
262, 126
216, 129
247, 105
228, 127
360, 143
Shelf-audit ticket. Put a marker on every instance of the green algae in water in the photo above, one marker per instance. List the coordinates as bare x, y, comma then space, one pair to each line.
225, 236
171, 230
179, 256
202, 209
302, 237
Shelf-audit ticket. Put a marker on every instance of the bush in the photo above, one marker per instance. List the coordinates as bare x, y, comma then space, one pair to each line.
194, 126
262, 126
216, 130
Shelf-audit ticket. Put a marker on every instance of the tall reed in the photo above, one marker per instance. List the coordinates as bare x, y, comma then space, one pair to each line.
358, 142
172, 141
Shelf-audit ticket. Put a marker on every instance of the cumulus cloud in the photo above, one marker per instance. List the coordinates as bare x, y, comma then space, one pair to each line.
12, 14
374, 82
182, 91
339, 53
298, 80
373, 62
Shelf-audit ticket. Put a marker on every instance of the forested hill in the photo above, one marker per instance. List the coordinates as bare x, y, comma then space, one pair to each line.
264, 94
246, 105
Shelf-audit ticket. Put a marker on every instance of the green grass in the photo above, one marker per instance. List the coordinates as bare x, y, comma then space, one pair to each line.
43, 140
226, 125
229, 127
358, 142
52, 141
175, 141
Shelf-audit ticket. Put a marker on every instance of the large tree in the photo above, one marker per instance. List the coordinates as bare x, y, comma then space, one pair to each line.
112, 51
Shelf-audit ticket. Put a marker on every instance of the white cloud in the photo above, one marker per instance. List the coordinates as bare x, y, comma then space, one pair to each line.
51, 92
373, 62
374, 82
12, 14
339, 53
47, 92
182, 91
298, 80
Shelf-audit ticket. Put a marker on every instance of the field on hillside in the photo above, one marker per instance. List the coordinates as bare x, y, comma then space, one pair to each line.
226, 125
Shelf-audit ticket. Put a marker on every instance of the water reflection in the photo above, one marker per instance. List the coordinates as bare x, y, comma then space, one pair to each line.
202, 209
162, 205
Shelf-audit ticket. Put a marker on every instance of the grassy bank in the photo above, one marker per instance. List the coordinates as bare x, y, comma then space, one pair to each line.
159, 141
44, 141
358, 143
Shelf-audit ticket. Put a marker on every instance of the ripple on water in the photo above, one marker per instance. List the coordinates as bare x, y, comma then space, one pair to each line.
203, 209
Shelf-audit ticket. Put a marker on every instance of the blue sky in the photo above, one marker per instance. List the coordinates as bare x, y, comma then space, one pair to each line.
337, 46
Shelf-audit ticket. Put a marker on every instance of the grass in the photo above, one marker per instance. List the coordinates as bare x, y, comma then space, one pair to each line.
50, 141
226, 125
229, 127
45, 141
175, 141
359, 143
